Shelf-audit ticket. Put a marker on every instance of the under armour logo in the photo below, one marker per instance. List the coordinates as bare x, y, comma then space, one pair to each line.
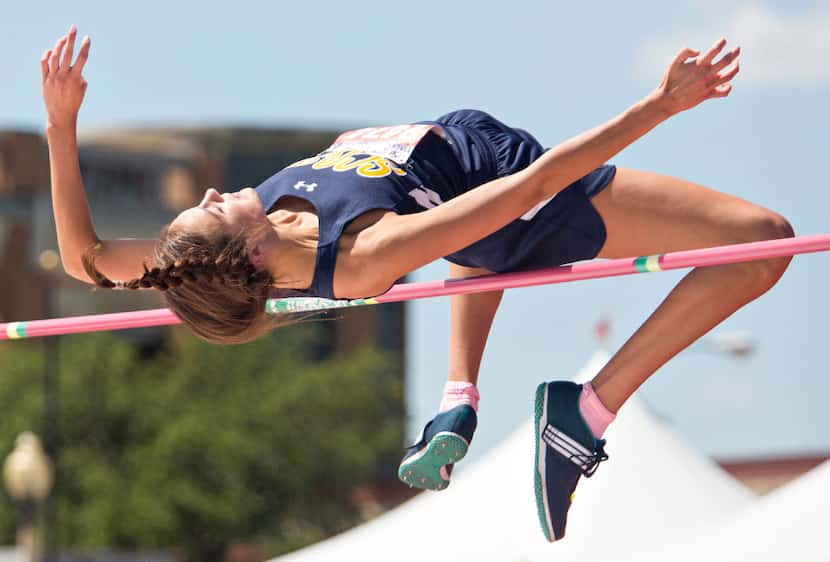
308, 186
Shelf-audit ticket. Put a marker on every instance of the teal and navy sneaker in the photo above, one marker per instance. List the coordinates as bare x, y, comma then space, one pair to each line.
565, 450
444, 441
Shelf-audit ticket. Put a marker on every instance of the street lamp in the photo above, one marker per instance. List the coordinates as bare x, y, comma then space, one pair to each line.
27, 473
49, 261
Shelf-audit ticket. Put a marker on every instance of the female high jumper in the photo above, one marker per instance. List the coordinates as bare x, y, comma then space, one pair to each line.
384, 201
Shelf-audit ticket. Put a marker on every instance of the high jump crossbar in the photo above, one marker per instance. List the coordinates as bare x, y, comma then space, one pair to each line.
410, 291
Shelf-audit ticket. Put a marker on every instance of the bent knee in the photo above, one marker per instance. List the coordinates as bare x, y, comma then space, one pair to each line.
769, 225
766, 225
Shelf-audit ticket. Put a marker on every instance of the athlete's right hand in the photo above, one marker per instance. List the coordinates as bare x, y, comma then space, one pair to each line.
63, 84
690, 82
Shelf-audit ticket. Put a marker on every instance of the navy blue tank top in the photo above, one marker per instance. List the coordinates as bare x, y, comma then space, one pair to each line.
410, 168
344, 183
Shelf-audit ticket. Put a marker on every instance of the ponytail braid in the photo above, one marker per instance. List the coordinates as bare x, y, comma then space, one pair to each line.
208, 282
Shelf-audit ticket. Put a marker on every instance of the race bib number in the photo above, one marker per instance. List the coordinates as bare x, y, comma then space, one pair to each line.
395, 143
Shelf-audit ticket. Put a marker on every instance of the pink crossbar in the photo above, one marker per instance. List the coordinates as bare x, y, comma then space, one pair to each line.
411, 291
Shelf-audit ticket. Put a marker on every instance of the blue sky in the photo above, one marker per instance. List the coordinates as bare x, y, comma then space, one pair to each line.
554, 68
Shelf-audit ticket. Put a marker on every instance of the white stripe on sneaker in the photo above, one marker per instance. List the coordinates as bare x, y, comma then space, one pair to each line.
566, 446
573, 442
563, 451
551, 438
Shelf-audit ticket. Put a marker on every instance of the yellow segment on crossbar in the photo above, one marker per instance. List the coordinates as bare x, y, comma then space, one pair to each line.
13, 331
653, 263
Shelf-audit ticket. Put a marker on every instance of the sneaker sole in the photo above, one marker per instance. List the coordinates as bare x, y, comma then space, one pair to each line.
423, 469
540, 418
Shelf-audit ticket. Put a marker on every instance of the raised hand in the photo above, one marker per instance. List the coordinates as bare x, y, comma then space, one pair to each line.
690, 82
63, 84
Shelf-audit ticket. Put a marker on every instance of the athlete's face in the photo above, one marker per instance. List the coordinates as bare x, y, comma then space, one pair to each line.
232, 213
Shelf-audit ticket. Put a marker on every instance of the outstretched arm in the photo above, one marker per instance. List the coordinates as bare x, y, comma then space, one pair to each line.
401, 244
63, 92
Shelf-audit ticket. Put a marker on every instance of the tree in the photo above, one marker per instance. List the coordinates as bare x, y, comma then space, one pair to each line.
203, 445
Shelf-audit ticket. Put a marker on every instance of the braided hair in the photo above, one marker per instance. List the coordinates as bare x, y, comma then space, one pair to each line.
207, 282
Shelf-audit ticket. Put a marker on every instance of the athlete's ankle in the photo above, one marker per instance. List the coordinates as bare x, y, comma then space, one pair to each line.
596, 415
457, 393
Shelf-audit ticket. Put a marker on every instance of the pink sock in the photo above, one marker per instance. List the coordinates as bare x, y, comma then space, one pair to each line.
457, 393
594, 411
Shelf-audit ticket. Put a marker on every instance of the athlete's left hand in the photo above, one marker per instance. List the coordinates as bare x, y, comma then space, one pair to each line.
690, 82
63, 84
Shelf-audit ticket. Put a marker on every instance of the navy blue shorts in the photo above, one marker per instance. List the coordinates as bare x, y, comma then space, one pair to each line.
566, 229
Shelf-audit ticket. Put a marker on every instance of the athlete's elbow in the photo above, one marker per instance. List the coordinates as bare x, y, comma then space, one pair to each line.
73, 265
76, 271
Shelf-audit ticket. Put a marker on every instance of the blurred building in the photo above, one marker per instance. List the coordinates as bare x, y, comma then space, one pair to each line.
136, 181
24, 176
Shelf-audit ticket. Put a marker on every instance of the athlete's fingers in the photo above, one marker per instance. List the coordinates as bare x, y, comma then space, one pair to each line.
66, 59
83, 55
44, 64
712, 53
726, 59
721, 91
727, 76
54, 60
684, 54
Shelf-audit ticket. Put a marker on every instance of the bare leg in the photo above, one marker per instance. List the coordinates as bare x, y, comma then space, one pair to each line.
471, 317
646, 213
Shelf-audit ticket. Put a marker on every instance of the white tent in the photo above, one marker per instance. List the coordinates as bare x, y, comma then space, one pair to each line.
653, 486
787, 525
